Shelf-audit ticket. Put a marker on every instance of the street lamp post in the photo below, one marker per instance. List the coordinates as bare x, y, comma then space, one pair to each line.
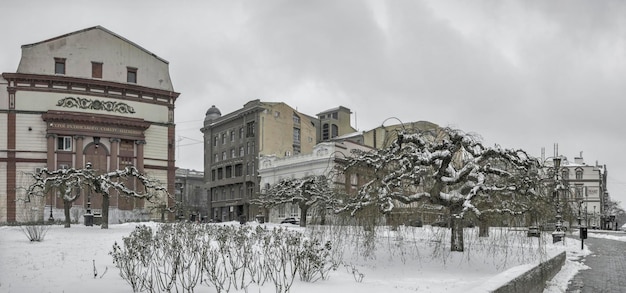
582, 228
558, 233
51, 218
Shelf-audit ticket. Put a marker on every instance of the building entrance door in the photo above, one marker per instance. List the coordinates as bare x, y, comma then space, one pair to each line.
96, 154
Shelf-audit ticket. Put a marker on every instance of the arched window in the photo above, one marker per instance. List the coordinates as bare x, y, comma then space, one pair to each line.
335, 131
325, 132
565, 174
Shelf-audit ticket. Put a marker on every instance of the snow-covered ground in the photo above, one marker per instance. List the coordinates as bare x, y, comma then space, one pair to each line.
407, 260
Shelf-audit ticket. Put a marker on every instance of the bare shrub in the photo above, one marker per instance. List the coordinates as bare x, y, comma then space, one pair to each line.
178, 257
35, 232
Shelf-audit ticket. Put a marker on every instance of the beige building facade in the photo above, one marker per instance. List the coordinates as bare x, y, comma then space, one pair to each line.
234, 142
87, 96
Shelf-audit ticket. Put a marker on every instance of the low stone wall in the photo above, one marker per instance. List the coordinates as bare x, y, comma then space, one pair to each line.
535, 279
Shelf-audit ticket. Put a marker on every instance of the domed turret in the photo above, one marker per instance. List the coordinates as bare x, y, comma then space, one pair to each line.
212, 114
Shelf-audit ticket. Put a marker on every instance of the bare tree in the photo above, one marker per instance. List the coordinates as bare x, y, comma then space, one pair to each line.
307, 192
449, 168
69, 183
616, 213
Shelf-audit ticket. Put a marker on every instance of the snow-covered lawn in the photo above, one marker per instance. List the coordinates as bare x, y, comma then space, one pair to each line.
407, 260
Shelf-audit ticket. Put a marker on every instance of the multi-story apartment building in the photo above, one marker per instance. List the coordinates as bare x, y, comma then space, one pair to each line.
587, 194
233, 144
190, 194
86, 96
321, 161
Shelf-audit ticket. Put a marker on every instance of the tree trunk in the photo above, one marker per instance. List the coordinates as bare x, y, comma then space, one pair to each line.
303, 211
66, 210
105, 212
456, 237
483, 226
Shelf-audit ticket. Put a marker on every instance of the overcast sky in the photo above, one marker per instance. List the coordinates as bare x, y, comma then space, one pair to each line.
522, 74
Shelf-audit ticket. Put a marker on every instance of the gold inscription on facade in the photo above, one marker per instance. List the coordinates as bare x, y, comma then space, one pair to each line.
95, 128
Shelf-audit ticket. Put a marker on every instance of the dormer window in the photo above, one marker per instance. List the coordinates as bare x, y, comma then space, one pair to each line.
131, 75
579, 174
59, 65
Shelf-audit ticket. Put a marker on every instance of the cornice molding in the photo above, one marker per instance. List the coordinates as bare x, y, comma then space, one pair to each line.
95, 104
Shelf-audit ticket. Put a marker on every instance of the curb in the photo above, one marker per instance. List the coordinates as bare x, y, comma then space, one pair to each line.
534, 280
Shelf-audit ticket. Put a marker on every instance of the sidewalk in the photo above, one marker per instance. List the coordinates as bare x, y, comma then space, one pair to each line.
607, 271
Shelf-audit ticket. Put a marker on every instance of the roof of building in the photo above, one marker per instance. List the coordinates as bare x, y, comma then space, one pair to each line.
98, 27
335, 109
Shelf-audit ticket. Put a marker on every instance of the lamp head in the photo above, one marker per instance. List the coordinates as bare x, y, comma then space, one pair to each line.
557, 162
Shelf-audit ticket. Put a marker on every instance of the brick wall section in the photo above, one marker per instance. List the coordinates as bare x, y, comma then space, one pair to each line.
535, 279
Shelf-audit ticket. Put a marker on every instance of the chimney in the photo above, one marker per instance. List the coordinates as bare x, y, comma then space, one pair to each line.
579, 160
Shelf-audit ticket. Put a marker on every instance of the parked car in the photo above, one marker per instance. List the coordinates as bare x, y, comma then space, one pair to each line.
415, 223
551, 227
533, 231
444, 224
294, 221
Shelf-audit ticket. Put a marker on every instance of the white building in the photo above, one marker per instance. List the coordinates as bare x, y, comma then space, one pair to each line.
321, 161
587, 191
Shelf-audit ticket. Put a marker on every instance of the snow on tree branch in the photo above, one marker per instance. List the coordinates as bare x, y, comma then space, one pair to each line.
449, 168
69, 180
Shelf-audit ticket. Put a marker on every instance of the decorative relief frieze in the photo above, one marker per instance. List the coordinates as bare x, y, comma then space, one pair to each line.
83, 103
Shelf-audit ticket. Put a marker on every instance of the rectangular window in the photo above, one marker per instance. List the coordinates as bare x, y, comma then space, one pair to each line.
96, 69
232, 136
241, 151
131, 74
250, 129
579, 192
281, 211
295, 210
59, 65
216, 158
232, 153
220, 174
229, 171
64, 143
241, 133
296, 119
224, 156
296, 135
223, 138
238, 170
215, 139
